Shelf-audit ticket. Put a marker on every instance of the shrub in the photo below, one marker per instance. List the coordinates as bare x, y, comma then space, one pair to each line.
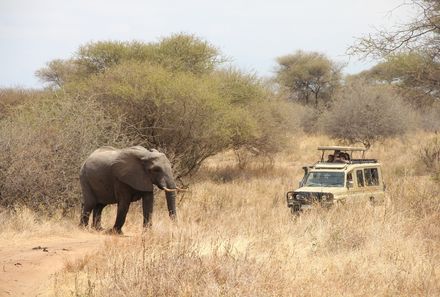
43, 145
366, 113
10, 98
430, 156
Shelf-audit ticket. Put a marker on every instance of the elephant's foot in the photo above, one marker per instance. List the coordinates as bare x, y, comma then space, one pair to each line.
82, 226
114, 231
98, 228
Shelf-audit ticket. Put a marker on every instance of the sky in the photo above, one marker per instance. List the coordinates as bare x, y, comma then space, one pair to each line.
252, 34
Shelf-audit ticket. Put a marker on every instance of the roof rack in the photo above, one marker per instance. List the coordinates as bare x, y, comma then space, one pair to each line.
350, 149
341, 148
363, 161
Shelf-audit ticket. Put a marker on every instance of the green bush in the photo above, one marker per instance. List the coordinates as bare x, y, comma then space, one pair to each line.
172, 95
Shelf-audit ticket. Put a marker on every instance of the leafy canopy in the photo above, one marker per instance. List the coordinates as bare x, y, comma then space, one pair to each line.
309, 77
173, 95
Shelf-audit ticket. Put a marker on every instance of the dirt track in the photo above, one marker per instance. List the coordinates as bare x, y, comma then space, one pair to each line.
27, 266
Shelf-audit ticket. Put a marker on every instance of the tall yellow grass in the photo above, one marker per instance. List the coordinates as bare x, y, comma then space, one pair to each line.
236, 237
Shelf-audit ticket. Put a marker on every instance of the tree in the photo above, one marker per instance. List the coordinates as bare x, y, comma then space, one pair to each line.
172, 95
310, 78
179, 52
410, 54
416, 74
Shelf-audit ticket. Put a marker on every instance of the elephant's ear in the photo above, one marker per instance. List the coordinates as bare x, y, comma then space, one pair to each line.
129, 169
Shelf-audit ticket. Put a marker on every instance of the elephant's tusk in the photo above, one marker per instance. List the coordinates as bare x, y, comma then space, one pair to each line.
169, 190
181, 190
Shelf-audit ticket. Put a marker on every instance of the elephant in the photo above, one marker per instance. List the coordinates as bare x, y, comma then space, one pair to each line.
110, 176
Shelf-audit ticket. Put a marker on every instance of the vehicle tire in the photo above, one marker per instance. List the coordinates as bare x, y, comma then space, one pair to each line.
294, 211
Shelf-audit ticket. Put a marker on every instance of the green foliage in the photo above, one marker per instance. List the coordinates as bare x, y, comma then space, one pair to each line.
169, 95
417, 75
177, 53
187, 116
366, 113
181, 52
172, 95
310, 78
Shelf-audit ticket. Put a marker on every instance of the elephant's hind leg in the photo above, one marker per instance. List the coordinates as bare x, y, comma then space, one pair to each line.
88, 204
97, 216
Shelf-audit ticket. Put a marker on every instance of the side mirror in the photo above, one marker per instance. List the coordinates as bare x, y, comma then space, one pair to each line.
350, 184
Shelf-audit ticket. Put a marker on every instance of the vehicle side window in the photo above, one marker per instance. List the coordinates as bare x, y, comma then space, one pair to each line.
371, 176
349, 180
360, 178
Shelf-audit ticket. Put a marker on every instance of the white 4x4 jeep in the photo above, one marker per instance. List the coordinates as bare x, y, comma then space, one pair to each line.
338, 178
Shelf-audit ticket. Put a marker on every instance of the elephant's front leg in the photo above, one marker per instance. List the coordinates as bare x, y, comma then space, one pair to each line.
147, 207
123, 206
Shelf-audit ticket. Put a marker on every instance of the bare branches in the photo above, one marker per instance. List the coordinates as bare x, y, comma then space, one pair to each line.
420, 33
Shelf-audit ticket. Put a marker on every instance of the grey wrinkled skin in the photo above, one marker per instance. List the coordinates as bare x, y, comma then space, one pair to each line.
121, 176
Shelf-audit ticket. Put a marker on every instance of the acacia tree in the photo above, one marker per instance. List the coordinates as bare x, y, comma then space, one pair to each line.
173, 95
177, 53
410, 54
415, 73
309, 77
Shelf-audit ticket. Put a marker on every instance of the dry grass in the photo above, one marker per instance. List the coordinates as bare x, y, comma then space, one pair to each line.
22, 223
236, 237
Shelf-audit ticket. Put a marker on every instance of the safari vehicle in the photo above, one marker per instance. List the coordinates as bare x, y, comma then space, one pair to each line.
338, 178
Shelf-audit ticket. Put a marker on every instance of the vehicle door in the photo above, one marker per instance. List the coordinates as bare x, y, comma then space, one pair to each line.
356, 188
373, 184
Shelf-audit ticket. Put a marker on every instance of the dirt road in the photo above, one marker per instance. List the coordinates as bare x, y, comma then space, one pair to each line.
27, 266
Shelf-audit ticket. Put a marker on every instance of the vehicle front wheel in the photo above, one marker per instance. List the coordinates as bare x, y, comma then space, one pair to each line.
294, 210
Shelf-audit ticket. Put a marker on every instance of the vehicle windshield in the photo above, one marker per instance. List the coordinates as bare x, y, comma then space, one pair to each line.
325, 179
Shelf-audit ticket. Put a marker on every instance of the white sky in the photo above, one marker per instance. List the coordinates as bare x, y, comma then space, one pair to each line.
251, 33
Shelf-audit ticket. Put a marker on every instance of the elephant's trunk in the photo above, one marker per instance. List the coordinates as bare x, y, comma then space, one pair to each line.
171, 203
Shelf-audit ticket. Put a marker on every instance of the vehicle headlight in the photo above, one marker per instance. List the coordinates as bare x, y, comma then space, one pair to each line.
290, 196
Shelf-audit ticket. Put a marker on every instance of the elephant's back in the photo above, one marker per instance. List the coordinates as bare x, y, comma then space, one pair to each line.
100, 161
103, 155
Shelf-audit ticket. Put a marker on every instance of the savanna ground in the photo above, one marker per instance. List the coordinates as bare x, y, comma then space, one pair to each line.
236, 237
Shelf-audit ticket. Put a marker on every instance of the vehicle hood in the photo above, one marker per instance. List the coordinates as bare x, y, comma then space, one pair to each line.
333, 190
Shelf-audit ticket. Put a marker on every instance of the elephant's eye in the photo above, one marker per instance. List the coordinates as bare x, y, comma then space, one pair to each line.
156, 169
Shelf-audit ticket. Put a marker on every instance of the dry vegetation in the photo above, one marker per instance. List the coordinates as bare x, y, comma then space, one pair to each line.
235, 236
